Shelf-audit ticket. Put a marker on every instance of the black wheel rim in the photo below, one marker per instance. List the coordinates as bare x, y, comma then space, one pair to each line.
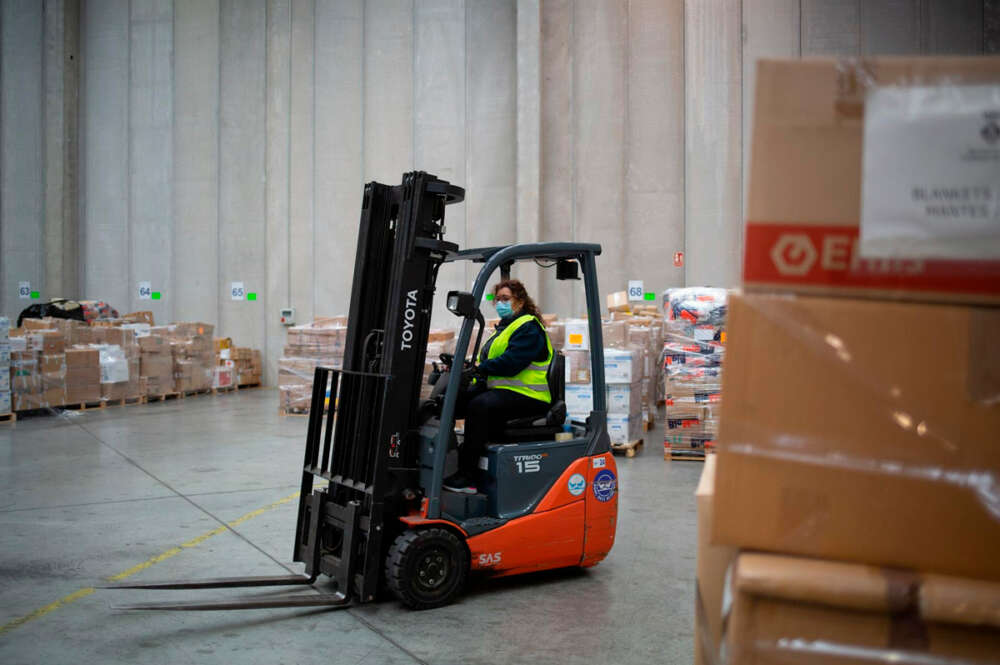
433, 570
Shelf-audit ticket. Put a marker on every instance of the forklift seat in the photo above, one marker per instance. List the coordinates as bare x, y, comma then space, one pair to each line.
538, 428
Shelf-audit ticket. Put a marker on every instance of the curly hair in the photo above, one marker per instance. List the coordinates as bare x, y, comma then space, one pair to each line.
518, 291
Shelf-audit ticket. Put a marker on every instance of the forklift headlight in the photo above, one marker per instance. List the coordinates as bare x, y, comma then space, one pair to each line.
461, 303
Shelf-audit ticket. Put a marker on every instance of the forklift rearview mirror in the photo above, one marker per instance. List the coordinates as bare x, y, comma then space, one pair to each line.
567, 269
461, 303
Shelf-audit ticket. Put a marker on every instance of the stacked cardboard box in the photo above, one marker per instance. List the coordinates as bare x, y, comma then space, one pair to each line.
860, 433
248, 366
623, 373
307, 346
38, 367
693, 349
120, 362
83, 374
193, 354
439, 340
5, 401
156, 365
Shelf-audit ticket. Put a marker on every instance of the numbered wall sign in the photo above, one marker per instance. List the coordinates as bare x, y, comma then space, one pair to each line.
24, 290
635, 290
145, 291
238, 292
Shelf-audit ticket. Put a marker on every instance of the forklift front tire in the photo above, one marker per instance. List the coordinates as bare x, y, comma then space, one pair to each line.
427, 568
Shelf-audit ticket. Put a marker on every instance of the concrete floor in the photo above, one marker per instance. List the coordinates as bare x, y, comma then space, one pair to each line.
86, 496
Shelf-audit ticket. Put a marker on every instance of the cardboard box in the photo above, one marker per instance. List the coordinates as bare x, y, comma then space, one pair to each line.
222, 377
861, 430
624, 427
618, 301
805, 611
5, 378
50, 397
83, 357
50, 363
624, 398
614, 333
620, 366
712, 563
579, 398
190, 329
577, 364
804, 201
5, 402
154, 344
577, 335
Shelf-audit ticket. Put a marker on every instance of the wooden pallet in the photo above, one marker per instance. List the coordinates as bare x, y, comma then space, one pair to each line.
685, 454
225, 389
629, 449
8, 417
247, 386
85, 406
191, 393
126, 401
162, 398
293, 412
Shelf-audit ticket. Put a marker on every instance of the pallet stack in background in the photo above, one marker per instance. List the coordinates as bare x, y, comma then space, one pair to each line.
628, 370
5, 403
693, 350
318, 343
66, 363
855, 499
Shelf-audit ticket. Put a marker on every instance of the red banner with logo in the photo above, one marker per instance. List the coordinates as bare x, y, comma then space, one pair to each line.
828, 256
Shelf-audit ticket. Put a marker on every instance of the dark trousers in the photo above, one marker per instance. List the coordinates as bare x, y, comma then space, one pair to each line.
486, 412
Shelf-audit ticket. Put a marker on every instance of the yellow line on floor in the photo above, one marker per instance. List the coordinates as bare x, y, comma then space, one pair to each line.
152, 561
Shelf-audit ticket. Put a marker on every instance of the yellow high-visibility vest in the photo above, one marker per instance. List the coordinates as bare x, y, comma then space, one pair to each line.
530, 381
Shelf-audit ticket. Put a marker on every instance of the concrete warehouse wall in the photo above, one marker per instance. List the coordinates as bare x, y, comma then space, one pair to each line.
194, 143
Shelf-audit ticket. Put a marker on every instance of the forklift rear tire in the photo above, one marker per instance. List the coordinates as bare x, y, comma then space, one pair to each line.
427, 568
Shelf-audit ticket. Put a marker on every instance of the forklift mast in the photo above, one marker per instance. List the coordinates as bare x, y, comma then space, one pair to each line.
362, 453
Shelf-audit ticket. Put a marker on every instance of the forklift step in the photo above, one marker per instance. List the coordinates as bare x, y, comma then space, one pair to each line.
463, 506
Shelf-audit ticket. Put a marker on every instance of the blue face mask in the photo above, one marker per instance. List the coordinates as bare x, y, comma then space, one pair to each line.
504, 309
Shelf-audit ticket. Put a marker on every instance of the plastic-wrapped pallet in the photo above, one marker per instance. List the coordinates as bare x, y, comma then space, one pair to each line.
693, 351
37, 375
156, 365
307, 346
5, 404
439, 340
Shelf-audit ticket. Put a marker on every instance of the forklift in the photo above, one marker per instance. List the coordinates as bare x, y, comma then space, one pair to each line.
372, 513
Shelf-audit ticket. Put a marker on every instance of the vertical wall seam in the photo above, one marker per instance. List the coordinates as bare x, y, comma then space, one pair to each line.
312, 194
626, 131
81, 154
364, 92
465, 127
43, 136
413, 85
288, 175
742, 160
129, 217
218, 175
172, 277
574, 134
3, 291
800, 28
684, 124
267, 165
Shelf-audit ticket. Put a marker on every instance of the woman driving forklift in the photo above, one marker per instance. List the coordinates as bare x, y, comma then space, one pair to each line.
509, 380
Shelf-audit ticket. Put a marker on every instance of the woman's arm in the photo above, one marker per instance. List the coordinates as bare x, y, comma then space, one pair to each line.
523, 348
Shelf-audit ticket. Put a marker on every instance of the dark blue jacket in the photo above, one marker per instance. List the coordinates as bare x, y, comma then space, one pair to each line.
525, 346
